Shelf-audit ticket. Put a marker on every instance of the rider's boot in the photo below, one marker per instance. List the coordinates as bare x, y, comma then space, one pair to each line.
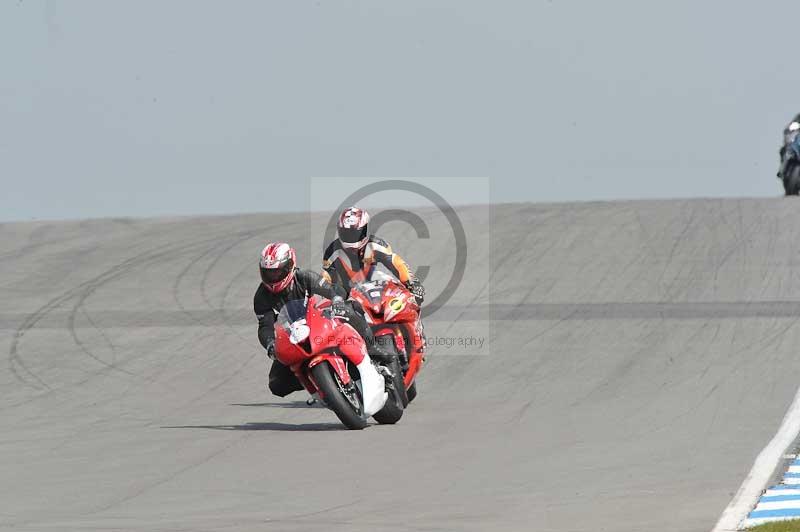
378, 353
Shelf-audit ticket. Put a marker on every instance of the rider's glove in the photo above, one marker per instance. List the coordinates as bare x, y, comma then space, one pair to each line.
271, 349
339, 308
416, 288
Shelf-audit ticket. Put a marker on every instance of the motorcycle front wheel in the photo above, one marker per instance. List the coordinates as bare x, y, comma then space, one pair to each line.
791, 181
345, 400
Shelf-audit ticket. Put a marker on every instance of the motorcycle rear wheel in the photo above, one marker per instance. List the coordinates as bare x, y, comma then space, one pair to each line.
412, 391
349, 411
394, 366
392, 411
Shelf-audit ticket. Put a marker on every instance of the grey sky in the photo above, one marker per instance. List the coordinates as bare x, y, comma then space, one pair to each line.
180, 107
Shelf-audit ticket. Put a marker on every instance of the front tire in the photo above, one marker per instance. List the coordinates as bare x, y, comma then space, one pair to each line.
349, 411
791, 180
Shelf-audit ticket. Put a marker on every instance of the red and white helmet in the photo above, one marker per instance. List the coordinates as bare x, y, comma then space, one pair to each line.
353, 228
277, 265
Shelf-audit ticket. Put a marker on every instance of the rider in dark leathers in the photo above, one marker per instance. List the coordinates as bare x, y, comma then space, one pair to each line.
282, 281
790, 133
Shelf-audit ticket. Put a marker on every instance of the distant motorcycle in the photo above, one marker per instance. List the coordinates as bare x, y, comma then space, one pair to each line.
791, 165
394, 315
323, 351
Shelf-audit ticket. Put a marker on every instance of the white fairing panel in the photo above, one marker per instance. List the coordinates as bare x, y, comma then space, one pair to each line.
372, 386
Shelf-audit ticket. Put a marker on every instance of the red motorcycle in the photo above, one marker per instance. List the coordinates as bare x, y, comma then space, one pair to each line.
330, 359
394, 315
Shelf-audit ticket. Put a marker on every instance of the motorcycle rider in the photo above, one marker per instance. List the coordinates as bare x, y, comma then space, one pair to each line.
356, 253
283, 281
790, 133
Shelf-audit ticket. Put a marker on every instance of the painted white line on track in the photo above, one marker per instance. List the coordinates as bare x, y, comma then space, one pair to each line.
746, 498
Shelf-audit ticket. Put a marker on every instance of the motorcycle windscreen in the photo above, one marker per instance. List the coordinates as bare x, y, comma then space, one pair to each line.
373, 288
291, 312
372, 291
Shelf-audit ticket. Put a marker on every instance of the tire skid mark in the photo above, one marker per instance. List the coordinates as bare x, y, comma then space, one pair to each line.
176, 253
688, 271
243, 236
147, 257
35, 317
679, 240
31, 321
506, 259
229, 285
33, 247
213, 264
680, 282
102, 332
71, 327
610, 222
179, 278
163, 365
760, 346
91, 375
256, 352
207, 272
738, 243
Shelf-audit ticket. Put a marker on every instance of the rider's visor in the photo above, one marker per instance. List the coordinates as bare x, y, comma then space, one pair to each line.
274, 275
352, 235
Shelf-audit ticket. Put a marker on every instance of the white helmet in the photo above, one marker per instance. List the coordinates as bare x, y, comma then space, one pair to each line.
353, 228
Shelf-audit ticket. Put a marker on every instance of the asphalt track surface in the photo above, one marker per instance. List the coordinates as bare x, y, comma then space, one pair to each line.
640, 356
